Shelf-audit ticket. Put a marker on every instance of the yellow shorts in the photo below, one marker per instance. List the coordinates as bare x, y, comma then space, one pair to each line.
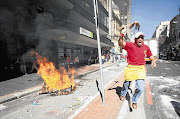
134, 72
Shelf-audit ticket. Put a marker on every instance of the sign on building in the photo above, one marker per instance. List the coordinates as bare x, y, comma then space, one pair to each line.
86, 32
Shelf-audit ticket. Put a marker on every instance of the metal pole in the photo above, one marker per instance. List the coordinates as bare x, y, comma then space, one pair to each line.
110, 19
99, 47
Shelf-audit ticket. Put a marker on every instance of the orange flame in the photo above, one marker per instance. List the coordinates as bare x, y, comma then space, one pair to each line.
55, 79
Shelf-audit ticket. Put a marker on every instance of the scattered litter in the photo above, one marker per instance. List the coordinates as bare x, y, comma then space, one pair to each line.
21, 117
74, 105
166, 100
165, 90
151, 93
160, 60
176, 64
177, 86
163, 73
83, 98
35, 103
86, 109
168, 68
2, 106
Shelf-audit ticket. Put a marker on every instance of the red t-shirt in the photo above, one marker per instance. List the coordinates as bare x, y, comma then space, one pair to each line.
136, 54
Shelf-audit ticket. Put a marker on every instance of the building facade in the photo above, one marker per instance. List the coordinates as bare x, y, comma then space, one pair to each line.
116, 24
178, 32
162, 34
169, 39
125, 13
163, 25
55, 29
174, 34
124, 7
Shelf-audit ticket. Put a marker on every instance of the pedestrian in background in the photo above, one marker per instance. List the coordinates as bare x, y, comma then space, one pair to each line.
103, 59
34, 67
22, 65
68, 61
107, 57
89, 60
136, 64
76, 61
95, 58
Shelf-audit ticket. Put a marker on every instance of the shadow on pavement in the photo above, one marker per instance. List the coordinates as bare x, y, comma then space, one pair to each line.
99, 90
176, 106
118, 88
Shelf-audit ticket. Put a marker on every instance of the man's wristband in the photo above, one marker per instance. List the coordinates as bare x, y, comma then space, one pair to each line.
122, 35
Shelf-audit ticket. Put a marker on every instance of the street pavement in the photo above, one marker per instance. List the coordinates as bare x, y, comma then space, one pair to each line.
30, 83
93, 108
22, 86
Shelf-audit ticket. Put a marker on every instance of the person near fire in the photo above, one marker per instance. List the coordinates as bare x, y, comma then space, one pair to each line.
22, 65
76, 61
136, 64
34, 67
68, 60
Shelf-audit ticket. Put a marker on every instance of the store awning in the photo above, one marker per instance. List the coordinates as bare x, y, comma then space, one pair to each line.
70, 37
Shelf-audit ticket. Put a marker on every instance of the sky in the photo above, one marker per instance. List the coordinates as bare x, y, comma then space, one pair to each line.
149, 13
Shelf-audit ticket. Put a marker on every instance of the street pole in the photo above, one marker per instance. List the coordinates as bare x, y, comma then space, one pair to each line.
99, 47
110, 19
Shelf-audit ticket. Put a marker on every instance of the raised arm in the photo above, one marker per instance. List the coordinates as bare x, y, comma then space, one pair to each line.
121, 42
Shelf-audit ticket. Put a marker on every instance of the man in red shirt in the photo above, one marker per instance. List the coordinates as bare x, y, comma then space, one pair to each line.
136, 64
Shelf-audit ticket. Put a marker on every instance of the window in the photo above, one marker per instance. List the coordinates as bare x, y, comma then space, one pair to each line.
103, 18
86, 5
104, 3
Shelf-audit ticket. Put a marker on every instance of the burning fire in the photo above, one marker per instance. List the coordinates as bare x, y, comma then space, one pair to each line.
55, 80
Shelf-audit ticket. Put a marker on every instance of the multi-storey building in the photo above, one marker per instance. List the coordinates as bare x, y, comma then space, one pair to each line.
56, 29
162, 34
178, 33
116, 24
169, 39
163, 25
119, 13
125, 13
163, 41
124, 7
174, 35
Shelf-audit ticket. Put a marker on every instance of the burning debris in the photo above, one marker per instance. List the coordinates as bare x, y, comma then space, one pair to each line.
56, 81
54, 92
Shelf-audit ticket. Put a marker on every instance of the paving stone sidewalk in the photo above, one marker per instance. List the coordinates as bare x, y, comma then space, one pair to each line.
111, 109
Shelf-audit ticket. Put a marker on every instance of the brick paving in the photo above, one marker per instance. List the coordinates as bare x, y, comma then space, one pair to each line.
96, 110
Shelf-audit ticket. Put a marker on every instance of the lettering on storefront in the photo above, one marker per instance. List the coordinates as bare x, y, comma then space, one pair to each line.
86, 32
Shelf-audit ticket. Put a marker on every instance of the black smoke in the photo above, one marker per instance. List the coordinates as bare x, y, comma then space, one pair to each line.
24, 26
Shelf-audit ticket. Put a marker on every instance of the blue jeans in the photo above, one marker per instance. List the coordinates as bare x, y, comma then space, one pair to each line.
138, 91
